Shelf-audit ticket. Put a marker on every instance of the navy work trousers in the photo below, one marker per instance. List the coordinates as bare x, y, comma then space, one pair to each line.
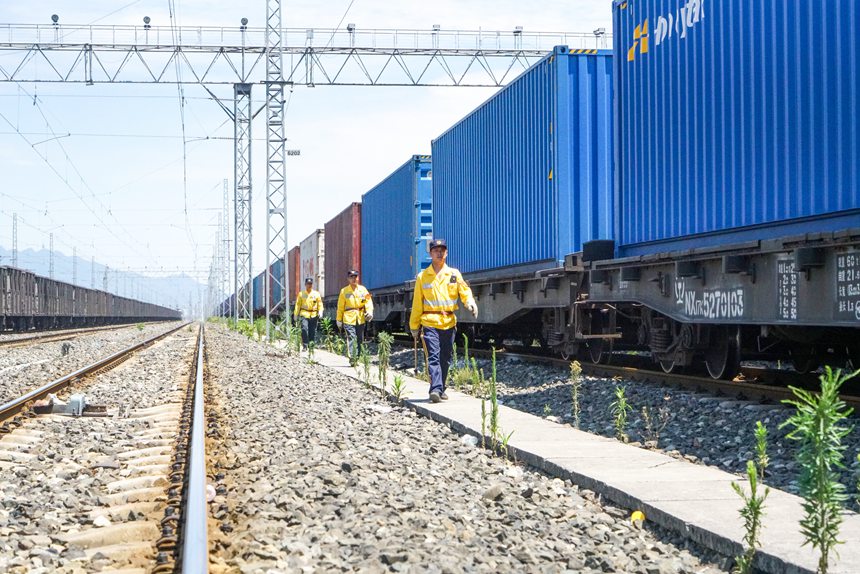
439, 344
354, 340
309, 331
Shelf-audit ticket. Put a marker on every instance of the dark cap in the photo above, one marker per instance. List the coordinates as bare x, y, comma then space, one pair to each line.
352, 273
437, 243
309, 280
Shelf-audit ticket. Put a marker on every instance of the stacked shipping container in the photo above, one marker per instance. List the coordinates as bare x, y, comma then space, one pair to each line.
736, 121
343, 241
312, 256
294, 265
527, 177
396, 222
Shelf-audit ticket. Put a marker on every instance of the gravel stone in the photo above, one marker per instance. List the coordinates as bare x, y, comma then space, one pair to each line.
414, 499
701, 429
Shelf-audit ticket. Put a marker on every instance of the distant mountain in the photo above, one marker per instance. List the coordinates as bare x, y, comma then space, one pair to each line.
176, 291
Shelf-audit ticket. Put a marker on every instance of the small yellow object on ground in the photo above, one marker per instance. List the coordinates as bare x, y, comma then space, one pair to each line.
637, 518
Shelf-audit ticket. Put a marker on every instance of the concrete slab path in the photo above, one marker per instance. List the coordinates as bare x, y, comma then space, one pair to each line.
692, 499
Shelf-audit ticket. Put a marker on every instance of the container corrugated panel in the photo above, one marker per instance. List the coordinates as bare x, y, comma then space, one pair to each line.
736, 120
312, 255
294, 264
396, 222
343, 248
527, 176
276, 282
259, 293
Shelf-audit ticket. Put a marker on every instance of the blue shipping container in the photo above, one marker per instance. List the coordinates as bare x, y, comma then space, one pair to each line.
396, 222
527, 176
259, 293
735, 121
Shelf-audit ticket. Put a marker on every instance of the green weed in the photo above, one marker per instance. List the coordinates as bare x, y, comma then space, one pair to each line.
819, 425
620, 408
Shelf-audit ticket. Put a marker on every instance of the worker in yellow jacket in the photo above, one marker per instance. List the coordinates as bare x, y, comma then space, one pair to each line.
309, 308
434, 302
354, 309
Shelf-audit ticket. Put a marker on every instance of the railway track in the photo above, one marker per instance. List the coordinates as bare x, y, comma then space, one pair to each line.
56, 336
754, 383
140, 499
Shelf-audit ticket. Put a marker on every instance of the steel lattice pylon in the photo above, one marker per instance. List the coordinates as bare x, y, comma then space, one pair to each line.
276, 189
242, 201
225, 242
209, 56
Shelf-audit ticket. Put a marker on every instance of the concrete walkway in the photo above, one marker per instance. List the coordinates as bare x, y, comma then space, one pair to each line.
695, 500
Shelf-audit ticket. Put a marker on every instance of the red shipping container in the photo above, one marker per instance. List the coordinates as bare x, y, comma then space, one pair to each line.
343, 248
293, 262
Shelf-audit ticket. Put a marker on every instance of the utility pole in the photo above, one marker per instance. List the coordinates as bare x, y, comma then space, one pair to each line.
105, 280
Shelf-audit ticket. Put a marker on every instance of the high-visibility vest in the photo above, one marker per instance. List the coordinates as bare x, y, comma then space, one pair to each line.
353, 304
308, 305
436, 296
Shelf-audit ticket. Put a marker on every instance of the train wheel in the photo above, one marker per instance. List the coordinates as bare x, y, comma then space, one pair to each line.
600, 350
668, 365
568, 350
805, 358
722, 358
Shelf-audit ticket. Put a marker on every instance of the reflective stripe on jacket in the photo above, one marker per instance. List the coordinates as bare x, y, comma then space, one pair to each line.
435, 298
308, 305
353, 305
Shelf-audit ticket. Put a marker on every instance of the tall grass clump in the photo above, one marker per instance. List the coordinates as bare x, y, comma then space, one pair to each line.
761, 456
575, 389
752, 513
383, 351
495, 431
398, 389
819, 424
620, 408
654, 423
364, 361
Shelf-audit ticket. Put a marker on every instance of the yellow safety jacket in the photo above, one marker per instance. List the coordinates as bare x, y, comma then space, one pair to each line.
353, 305
308, 305
435, 298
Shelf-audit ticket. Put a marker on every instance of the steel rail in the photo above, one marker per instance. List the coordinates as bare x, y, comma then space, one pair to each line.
61, 336
195, 547
16, 406
730, 389
733, 389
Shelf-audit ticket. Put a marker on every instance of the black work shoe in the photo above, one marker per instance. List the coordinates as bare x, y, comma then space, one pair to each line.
444, 396
435, 398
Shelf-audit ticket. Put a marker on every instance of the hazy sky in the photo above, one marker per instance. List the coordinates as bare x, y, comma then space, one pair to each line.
112, 185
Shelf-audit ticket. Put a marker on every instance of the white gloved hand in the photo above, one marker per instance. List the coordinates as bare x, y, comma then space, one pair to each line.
340, 325
416, 333
321, 315
473, 309
368, 317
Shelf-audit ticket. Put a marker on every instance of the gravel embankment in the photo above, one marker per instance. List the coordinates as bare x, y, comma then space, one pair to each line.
86, 494
709, 430
315, 473
23, 369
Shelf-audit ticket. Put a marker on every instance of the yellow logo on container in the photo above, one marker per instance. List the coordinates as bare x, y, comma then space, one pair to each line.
640, 40
673, 24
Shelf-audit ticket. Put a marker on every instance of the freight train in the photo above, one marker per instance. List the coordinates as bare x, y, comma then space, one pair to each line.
32, 302
693, 194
